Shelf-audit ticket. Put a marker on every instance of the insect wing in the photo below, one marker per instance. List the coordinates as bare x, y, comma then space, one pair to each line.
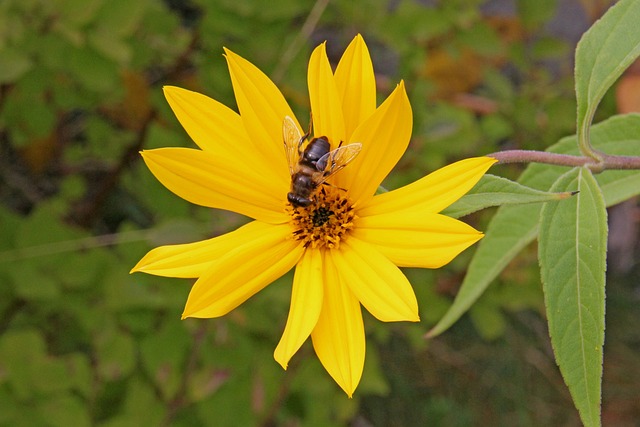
292, 139
337, 159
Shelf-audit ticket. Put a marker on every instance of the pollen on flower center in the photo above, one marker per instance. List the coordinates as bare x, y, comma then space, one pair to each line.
326, 221
321, 216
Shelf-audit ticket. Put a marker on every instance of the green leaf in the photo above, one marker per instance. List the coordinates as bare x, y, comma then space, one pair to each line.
51, 376
572, 253
488, 320
21, 352
92, 70
121, 17
493, 190
14, 64
111, 46
78, 12
620, 135
142, 407
116, 355
550, 48
510, 230
42, 234
536, 12
32, 284
514, 227
603, 53
80, 373
65, 410
9, 409
40, 120
163, 355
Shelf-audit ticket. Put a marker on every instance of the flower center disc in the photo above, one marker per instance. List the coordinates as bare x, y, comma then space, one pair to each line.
325, 222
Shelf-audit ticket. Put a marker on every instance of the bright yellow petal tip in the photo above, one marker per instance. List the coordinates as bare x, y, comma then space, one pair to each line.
338, 338
385, 135
326, 105
432, 193
356, 84
306, 304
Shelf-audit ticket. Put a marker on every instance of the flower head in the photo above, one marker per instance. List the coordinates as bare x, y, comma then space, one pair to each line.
346, 245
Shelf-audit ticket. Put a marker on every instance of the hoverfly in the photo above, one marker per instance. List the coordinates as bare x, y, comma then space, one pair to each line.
312, 166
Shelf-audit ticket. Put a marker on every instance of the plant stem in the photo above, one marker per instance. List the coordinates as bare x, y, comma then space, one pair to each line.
298, 42
83, 243
530, 156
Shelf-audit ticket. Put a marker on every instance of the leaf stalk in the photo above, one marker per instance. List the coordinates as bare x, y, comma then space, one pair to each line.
596, 165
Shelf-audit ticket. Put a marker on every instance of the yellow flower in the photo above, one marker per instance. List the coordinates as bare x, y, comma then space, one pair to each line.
347, 245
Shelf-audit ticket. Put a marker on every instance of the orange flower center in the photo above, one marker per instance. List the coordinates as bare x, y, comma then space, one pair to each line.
326, 221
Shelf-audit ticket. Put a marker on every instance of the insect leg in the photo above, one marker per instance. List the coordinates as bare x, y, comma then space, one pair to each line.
305, 136
310, 124
333, 156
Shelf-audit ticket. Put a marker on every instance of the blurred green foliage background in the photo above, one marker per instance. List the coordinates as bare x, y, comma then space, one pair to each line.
84, 343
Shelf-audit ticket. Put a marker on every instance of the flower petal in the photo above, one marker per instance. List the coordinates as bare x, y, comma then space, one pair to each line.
432, 193
216, 128
338, 337
326, 105
210, 124
262, 108
219, 182
385, 136
377, 283
356, 85
191, 260
255, 262
413, 238
306, 303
